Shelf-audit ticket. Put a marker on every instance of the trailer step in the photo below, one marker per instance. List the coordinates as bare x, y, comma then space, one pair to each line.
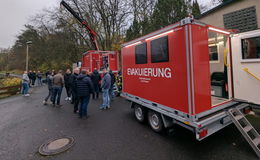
248, 128
256, 141
239, 117
245, 127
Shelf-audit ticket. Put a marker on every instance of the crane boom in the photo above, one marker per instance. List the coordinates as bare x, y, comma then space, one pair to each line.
91, 32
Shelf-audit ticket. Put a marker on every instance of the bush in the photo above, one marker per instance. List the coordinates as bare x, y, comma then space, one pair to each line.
8, 82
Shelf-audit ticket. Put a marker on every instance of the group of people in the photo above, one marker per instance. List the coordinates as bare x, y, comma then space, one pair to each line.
28, 80
35, 77
79, 88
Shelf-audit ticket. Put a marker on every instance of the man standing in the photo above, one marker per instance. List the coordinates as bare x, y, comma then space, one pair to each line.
84, 89
47, 73
25, 83
105, 85
58, 83
75, 98
30, 77
67, 79
95, 77
39, 78
49, 81
33, 77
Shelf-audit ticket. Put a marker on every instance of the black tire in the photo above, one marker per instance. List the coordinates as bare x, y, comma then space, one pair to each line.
140, 113
155, 121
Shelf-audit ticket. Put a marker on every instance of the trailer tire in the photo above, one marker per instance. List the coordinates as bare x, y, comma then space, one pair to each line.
155, 121
140, 113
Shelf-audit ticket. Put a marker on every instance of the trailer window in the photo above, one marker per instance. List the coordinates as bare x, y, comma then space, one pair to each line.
141, 54
160, 51
213, 53
251, 48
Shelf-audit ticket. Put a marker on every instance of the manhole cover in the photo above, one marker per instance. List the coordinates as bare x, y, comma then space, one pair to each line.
55, 146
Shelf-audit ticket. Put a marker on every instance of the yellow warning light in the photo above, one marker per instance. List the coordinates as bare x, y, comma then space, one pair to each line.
187, 122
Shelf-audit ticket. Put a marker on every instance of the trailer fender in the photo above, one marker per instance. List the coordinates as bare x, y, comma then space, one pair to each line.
167, 121
133, 104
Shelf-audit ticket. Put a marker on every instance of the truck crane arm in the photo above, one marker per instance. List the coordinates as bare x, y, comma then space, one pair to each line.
91, 32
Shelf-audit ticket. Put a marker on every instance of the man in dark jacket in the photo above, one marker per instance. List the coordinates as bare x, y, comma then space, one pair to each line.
33, 77
49, 81
47, 73
30, 77
84, 89
75, 97
105, 85
68, 83
95, 77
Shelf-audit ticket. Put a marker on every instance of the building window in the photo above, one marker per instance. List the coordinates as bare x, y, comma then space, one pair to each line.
213, 53
141, 54
251, 48
160, 51
243, 20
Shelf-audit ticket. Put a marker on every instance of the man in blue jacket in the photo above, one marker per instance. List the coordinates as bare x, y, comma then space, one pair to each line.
105, 85
84, 90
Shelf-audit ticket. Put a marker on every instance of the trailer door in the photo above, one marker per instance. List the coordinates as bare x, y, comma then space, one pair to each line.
218, 44
246, 66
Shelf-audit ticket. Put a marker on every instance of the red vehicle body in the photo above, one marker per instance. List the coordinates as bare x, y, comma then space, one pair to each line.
92, 60
179, 84
169, 74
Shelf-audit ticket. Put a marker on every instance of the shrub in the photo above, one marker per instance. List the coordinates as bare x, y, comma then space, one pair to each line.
8, 82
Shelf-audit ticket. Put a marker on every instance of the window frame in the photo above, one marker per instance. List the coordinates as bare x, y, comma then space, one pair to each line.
218, 60
245, 36
241, 55
146, 55
168, 55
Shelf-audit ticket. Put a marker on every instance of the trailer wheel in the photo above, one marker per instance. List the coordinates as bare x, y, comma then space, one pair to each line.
155, 121
140, 113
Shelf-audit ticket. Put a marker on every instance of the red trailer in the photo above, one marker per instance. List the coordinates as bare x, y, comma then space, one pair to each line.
182, 74
92, 60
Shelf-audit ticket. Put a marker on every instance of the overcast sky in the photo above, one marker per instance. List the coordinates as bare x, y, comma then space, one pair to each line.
14, 14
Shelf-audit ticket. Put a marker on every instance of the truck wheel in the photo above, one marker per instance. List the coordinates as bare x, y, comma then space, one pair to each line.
155, 121
140, 113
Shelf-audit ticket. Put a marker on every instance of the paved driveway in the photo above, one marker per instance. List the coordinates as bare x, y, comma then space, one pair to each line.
106, 135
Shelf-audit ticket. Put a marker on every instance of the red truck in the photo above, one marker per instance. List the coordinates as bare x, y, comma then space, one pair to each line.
94, 59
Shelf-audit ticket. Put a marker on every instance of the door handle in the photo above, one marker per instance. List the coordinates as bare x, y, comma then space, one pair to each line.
225, 57
252, 74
